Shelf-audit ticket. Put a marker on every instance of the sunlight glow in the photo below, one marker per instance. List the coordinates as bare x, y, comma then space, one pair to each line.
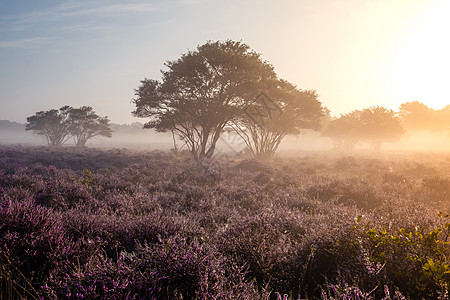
421, 70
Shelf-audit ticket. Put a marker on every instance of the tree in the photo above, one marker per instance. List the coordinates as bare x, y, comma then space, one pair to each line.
59, 125
380, 125
416, 116
375, 125
85, 124
201, 92
345, 131
283, 110
53, 124
442, 121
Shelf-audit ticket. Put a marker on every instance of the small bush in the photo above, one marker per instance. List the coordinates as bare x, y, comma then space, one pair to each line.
32, 244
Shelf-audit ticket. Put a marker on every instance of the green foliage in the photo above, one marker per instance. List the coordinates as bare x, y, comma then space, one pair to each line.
85, 179
422, 253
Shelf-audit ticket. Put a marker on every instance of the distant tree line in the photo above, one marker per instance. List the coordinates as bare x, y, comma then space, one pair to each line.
374, 125
416, 116
59, 125
377, 125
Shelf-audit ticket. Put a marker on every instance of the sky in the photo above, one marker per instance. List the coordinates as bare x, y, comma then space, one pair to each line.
354, 53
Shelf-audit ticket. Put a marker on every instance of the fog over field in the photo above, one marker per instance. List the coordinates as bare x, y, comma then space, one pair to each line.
133, 136
124, 136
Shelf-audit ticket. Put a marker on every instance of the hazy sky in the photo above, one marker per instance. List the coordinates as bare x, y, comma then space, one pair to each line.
355, 53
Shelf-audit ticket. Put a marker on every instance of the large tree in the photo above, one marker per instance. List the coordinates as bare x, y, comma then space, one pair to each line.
84, 124
53, 124
201, 92
283, 109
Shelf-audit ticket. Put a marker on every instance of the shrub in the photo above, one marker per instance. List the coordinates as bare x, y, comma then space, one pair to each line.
97, 278
422, 253
176, 268
32, 244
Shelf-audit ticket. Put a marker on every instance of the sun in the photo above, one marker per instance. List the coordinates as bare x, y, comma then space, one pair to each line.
421, 70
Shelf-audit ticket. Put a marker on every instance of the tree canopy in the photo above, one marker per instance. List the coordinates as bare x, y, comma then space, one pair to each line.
380, 125
59, 125
207, 89
52, 124
416, 116
345, 131
84, 124
282, 110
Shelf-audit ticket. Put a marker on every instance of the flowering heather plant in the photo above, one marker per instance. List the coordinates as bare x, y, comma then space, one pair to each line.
436, 189
62, 195
117, 224
32, 244
344, 291
265, 249
178, 269
349, 192
97, 278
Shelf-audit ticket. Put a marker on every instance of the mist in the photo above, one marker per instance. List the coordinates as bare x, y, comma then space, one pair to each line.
416, 141
135, 137
132, 136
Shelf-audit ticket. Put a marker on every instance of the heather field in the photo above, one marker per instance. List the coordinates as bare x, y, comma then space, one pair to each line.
117, 224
